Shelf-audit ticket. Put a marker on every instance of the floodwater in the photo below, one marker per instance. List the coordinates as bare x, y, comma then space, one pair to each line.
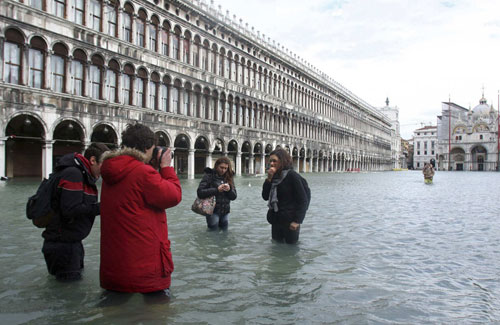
375, 248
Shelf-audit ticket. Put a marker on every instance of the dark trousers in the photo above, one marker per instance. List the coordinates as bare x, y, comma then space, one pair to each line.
282, 232
64, 260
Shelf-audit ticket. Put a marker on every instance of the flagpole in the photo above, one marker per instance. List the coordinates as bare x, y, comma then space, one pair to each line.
449, 133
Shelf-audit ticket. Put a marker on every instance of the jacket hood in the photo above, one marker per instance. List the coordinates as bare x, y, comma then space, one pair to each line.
208, 170
119, 163
78, 161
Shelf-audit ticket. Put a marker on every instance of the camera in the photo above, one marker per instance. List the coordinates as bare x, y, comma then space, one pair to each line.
155, 161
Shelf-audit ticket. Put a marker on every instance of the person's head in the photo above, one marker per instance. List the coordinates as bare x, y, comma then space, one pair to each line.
93, 154
280, 159
139, 137
223, 168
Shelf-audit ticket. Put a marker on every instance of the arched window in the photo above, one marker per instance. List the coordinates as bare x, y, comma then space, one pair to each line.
111, 16
241, 76
153, 34
154, 84
96, 72
127, 85
177, 43
78, 11
249, 74
37, 51
229, 62
187, 102
58, 67
196, 52
141, 83
140, 36
59, 8
213, 59
165, 38
12, 54
204, 55
164, 94
186, 49
127, 23
175, 99
222, 62
95, 14
112, 81
234, 112
77, 72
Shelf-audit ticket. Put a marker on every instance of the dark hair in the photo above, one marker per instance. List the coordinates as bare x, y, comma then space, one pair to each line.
96, 150
138, 136
284, 157
228, 175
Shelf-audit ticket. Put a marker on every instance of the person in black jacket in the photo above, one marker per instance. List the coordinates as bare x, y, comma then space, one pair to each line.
218, 182
76, 207
287, 197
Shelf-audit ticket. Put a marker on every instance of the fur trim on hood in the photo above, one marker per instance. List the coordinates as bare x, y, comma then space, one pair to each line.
139, 155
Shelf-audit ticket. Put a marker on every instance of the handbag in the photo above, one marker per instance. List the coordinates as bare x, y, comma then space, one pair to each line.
205, 207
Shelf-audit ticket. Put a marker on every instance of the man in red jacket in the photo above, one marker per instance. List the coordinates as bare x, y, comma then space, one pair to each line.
135, 249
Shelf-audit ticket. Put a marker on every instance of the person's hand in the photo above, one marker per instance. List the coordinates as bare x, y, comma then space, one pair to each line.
221, 187
226, 187
270, 173
166, 159
294, 225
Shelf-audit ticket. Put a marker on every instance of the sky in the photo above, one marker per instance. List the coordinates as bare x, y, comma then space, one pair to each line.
417, 53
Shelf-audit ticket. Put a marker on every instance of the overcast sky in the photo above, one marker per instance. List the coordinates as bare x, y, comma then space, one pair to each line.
416, 52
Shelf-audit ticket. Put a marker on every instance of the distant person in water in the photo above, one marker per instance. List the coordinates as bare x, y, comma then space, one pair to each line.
428, 172
287, 197
219, 182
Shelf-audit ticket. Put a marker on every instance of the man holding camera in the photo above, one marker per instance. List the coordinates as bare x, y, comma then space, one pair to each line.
135, 249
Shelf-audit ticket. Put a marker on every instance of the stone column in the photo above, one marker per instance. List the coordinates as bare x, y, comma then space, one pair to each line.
297, 168
191, 164
47, 69
208, 161
2, 157
47, 158
119, 33
67, 75
262, 162
250, 164
25, 71
237, 162
172, 162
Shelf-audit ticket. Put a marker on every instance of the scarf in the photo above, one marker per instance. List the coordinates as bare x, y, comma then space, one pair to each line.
273, 194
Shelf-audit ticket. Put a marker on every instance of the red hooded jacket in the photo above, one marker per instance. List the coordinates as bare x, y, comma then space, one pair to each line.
135, 249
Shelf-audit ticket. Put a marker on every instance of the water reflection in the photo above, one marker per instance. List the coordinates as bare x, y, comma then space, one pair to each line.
374, 248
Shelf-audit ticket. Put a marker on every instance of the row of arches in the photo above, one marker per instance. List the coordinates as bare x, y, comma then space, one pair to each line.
191, 45
31, 149
124, 83
475, 158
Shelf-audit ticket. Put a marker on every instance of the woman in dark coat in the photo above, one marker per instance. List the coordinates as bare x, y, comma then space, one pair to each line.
287, 196
219, 182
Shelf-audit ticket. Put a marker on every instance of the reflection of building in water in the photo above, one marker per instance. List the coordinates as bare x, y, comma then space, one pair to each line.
473, 144
77, 71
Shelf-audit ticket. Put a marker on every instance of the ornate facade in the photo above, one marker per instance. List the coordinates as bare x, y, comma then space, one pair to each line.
468, 138
74, 72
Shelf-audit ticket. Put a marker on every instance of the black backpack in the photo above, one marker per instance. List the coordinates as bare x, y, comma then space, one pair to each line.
39, 207
307, 189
